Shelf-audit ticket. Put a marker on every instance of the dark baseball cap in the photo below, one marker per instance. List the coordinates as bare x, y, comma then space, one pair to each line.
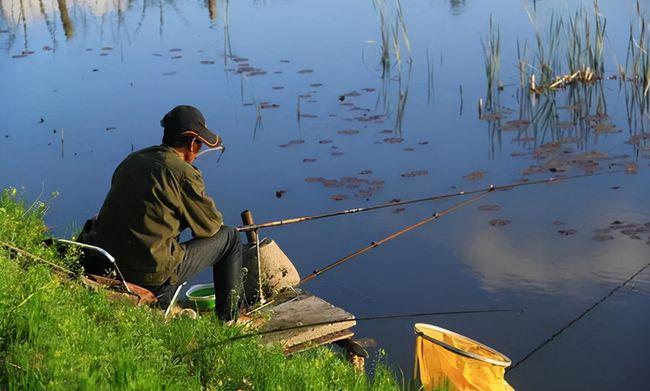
183, 121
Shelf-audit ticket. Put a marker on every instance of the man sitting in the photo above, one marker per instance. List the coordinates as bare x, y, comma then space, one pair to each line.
155, 194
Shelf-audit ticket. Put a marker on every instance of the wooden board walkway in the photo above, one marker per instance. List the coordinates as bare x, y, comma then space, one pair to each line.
291, 310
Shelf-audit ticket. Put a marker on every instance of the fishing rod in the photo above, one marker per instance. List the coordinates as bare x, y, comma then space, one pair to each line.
294, 220
575, 320
394, 235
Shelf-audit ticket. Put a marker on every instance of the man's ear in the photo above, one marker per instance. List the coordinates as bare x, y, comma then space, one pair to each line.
195, 147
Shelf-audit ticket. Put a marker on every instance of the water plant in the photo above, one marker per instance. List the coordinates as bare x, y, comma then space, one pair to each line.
492, 53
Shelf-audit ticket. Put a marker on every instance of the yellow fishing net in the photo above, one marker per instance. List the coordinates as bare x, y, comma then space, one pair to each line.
444, 357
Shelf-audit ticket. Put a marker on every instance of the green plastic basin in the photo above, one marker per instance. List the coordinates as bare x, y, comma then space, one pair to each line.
202, 295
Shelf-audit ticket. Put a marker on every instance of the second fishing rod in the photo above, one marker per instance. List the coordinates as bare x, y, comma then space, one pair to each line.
301, 219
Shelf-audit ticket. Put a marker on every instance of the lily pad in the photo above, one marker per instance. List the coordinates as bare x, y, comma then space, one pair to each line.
475, 175
415, 173
605, 127
348, 132
489, 208
499, 222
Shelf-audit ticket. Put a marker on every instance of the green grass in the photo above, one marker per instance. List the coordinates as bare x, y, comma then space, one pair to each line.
57, 334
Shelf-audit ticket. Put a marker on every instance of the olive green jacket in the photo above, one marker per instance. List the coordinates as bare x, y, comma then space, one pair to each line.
154, 195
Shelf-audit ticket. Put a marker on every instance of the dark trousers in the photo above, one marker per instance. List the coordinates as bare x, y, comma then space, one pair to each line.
223, 252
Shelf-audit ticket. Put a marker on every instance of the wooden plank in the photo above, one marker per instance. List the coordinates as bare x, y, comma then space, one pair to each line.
303, 310
326, 339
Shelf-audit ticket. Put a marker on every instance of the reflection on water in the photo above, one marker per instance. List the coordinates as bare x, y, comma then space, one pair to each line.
340, 104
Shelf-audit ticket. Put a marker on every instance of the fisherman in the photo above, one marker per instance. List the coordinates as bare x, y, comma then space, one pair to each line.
156, 193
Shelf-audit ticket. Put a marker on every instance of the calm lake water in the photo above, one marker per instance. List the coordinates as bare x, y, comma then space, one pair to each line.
296, 90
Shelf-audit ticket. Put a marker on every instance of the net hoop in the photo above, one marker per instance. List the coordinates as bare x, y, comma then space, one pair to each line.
419, 327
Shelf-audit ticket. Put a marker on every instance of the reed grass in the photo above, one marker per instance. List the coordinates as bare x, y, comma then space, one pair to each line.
395, 45
492, 55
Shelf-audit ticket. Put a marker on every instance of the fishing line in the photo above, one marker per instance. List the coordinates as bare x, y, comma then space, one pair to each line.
394, 235
575, 320
294, 220
363, 319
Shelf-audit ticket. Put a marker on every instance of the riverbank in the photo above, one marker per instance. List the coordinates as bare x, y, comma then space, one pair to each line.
57, 334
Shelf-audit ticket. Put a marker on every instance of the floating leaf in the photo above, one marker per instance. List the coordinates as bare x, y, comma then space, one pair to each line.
499, 222
110, 48
339, 197
399, 210
602, 238
324, 141
559, 223
409, 149
515, 125
337, 153
308, 115
365, 172
423, 143
303, 71
605, 127
277, 88
348, 131
386, 131
206, 62
172, 50
415, 173
475, 175
567, 232
349, 94
309, 160
393, 140
314, 179
176, 57
489, 208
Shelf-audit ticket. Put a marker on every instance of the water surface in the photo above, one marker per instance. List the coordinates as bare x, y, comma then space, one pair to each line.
85, 82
